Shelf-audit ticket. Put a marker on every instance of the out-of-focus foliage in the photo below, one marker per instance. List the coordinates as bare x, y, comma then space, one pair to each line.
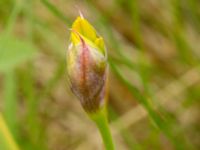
154, 55
13, 51
5, 9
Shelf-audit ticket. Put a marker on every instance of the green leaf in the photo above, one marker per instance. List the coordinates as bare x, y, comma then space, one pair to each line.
14, 52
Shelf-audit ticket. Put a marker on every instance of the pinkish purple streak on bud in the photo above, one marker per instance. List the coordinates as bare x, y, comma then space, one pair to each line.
84, 64
87, 79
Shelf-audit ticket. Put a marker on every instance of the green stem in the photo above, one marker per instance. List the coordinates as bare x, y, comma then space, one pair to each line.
6, 140
11, 20
101, 121
10, 102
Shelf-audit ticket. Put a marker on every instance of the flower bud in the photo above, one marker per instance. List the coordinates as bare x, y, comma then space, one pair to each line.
87, 65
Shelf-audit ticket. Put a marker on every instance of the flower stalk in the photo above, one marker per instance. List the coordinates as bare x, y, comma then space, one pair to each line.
100, 118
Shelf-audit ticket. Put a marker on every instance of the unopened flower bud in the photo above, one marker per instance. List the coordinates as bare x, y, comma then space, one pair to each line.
87, 65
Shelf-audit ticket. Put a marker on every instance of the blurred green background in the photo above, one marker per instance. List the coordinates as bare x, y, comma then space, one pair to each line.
154, 55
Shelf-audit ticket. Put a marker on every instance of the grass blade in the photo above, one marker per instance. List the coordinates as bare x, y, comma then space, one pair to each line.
6, 140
